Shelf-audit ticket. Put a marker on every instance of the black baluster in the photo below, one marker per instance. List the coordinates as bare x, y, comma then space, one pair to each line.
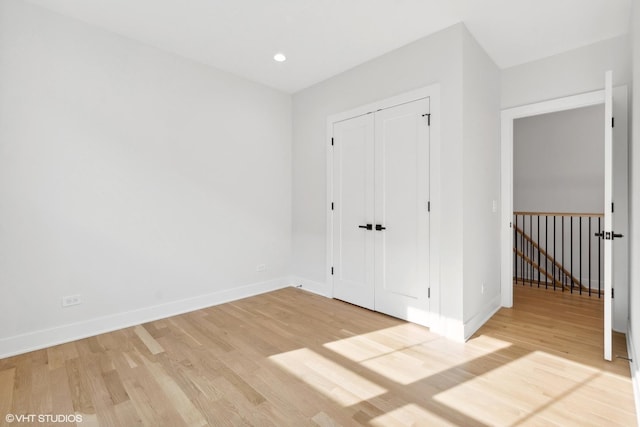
564, 276
554, 253
589, 255
538, 239
580, 254
515, 245
546, 247
531, 249
571, 253
522, 250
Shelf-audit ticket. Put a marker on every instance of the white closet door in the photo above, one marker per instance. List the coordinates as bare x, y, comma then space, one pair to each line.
353, 196
401, 197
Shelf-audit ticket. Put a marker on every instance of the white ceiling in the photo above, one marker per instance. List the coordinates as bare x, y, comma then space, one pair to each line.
322, 38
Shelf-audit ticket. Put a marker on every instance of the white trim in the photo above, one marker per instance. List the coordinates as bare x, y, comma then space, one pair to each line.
633, 367
329, 225
309, 285
433, 93
473, 324
506, 177
37, 340
382, 104
452, 329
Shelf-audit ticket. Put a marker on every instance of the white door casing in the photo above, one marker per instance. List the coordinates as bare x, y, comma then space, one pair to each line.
506, 180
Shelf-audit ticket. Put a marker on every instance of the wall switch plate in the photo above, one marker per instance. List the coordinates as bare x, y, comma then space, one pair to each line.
71, 300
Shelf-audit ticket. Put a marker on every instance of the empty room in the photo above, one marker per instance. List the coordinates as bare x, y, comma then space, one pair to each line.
296, 212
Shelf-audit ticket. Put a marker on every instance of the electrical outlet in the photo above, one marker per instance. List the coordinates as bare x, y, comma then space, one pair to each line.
261, 267
71, 300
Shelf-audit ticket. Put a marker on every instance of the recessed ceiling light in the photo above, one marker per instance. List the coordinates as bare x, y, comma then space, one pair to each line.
279, 57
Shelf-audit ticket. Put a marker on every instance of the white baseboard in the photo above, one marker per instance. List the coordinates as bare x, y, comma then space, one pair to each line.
37, 340
452, 329
473, 324
634, 365
311, 286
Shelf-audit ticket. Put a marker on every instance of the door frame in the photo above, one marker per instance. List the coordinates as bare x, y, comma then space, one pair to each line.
506, 179
433, 93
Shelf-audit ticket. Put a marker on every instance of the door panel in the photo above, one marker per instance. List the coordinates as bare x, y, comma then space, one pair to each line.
353, 163
402, 193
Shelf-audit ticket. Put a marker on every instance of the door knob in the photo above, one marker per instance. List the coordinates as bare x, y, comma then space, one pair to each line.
380, 227
368, 226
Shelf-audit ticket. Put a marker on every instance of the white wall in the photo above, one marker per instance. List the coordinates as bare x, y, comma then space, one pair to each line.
570, 73
131, 177
557, 162
469, 115
435, 59
481, 172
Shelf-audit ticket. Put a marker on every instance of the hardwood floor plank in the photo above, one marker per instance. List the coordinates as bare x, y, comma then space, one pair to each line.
189, 413
7, 384
153, 345
81, 396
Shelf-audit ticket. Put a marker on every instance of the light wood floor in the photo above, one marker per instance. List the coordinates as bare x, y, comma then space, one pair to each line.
290, 358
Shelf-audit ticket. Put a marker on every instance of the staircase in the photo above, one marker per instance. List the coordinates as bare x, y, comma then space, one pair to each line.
549, 248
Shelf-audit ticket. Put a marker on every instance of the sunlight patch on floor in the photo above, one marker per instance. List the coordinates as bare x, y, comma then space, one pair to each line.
329, 378
407, 416
508, 393
384, 341
398, 353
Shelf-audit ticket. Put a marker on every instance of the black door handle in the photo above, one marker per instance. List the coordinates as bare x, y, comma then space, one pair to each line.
368, 226
379, 227
608, 235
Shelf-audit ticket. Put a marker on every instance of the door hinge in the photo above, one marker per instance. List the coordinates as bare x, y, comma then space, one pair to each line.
331, 205
332, 271
429, 206
613, 293
428, 116
611, 207
428, 292
332, 141
613, 122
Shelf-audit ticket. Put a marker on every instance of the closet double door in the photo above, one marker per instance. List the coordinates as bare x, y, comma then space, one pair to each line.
380, 211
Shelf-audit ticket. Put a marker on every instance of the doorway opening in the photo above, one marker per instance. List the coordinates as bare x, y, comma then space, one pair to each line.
515, 227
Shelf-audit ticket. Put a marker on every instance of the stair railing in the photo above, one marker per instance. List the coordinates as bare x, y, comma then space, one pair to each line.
557, 250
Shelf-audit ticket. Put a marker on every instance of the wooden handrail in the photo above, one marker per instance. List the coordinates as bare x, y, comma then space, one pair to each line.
535, 265
593, 215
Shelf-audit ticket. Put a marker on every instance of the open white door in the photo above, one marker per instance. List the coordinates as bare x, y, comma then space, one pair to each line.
608, 234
